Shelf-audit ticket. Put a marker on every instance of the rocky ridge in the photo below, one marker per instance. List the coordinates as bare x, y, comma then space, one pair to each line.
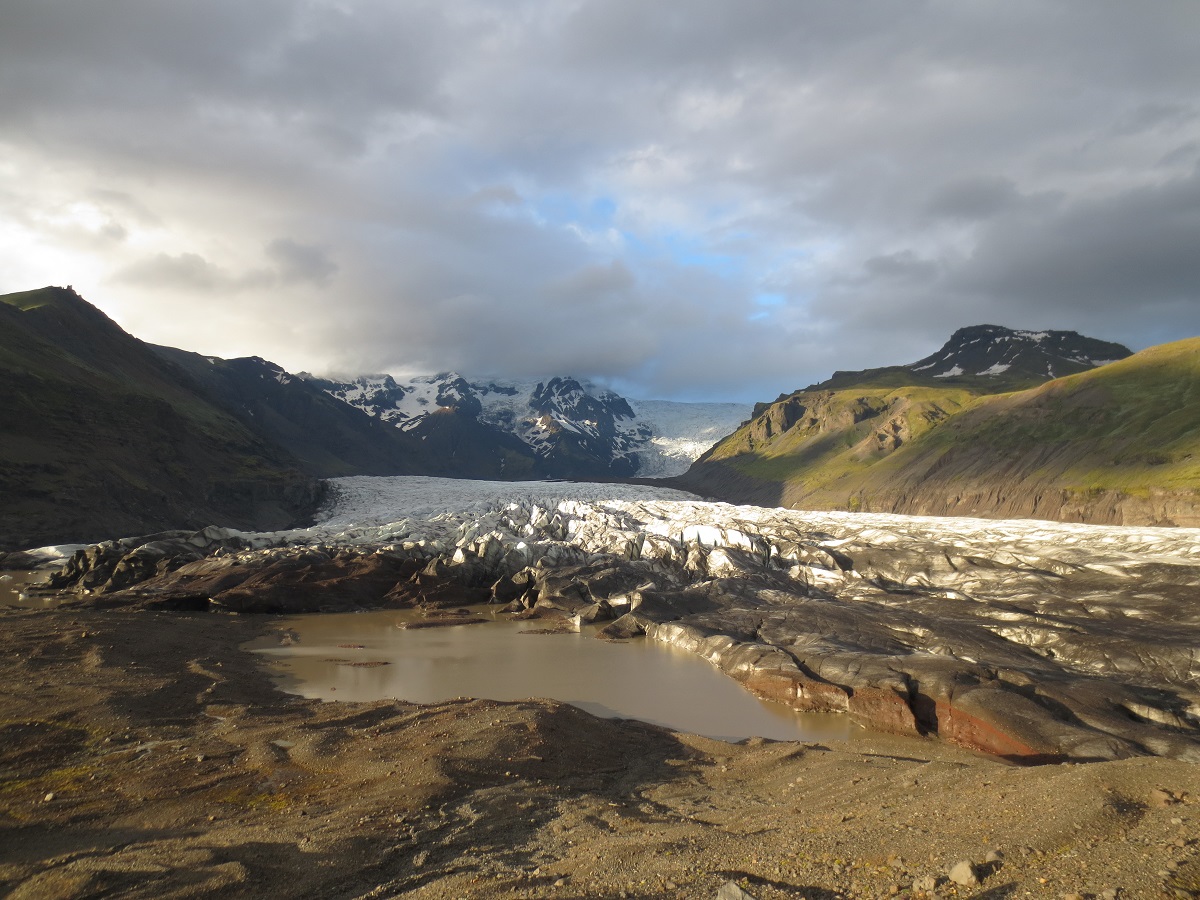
100, 435
1033, 641
328, 438
992, 358
572, 428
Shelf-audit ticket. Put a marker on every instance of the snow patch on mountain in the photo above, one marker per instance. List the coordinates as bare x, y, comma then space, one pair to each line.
657, 438
992, 350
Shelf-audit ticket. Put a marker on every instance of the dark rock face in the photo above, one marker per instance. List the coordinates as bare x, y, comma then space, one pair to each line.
328, 437
993, 358
577, 426
1032, 641
992, 350
102, 436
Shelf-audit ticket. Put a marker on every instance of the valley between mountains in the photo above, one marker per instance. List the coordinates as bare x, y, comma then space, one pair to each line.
1026, 659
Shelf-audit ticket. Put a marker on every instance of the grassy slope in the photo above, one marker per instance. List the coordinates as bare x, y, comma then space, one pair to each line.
99, 437
1131, 428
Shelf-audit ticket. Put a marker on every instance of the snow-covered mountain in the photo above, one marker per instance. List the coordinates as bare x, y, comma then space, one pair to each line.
995, 350
992, 358
572, 426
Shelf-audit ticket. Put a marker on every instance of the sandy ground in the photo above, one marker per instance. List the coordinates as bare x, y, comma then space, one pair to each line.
146, 755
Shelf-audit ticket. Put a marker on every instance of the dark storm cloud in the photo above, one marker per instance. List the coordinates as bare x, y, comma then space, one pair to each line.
702, 198
1132, 257
979, 197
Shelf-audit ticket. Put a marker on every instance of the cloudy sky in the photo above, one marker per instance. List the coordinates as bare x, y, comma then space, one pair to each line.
717, 199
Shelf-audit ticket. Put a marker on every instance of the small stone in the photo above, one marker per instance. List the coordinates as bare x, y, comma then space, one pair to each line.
1162, 797
730, 890
420, 859
1072, 896
927, 884
48, 797
671, 886
994, 856
560, 882
963, 873
1108, 894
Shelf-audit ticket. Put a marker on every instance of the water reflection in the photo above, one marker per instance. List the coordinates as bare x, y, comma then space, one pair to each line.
369, 656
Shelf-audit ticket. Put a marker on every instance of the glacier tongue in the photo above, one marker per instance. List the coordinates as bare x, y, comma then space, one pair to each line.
1028, 639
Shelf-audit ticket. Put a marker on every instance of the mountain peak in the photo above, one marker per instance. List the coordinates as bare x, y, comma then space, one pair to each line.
568, 426
990, 359
993, 350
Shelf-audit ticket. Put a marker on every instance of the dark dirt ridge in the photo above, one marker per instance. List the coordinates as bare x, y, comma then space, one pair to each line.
144, 754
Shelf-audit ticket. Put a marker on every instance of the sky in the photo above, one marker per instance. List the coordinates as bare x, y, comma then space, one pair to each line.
711, 199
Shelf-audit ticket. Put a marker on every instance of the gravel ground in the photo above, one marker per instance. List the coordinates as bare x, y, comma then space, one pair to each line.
147, 755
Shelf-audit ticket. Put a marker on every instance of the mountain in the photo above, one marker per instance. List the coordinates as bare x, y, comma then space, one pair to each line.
561, 427
1117, 443
990, 359
328, 438
103, 434
99, 435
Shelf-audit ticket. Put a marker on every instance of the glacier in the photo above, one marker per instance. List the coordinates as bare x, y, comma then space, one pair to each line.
1031, 640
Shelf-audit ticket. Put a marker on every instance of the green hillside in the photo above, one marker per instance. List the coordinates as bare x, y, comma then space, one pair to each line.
1119, 443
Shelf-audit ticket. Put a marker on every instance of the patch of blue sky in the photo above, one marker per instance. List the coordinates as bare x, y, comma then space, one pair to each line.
598, 214
767, 303
769, 299
591, 213
685, 251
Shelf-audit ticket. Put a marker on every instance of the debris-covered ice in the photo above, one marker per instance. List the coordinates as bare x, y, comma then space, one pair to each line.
1029, 639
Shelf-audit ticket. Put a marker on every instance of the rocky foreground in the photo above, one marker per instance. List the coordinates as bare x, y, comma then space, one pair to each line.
1031, 641
145, 755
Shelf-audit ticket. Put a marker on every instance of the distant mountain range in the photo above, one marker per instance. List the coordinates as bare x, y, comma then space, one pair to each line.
572, 427
102, 434
1116, 440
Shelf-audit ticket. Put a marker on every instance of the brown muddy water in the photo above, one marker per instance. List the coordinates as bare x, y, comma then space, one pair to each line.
370, 656
14, 583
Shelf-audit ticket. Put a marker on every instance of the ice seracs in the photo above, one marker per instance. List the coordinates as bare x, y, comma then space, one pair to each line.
1031, 640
